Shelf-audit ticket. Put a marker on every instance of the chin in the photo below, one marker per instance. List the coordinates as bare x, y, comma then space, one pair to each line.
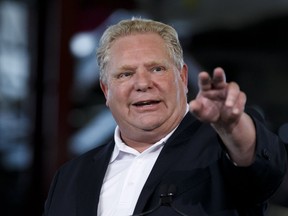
150, 126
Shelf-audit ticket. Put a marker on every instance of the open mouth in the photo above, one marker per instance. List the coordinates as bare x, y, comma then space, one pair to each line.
146, 103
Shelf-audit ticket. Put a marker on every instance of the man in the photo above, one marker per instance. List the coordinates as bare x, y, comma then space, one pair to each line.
208, 157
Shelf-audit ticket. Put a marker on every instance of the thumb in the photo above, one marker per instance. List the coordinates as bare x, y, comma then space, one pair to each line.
195, 107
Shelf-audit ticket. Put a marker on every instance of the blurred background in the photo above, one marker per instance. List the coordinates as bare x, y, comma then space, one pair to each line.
51, 106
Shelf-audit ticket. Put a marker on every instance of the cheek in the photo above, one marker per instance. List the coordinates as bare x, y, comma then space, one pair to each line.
115, 96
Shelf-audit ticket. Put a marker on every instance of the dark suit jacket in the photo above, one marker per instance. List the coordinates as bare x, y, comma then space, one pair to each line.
194, 160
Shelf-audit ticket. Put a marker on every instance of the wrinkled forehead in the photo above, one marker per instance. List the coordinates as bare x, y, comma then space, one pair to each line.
139, 48
144, 41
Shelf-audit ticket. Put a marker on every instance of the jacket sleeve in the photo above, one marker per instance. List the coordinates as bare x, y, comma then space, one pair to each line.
259, 181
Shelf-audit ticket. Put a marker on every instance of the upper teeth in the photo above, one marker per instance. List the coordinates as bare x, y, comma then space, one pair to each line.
143, 103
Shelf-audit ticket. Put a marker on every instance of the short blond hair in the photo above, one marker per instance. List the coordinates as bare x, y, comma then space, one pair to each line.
138, 25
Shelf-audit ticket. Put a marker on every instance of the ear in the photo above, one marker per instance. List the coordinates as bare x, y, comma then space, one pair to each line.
184, 76
104, 88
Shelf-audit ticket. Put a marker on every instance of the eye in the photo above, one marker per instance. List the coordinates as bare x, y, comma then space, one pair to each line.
124, 75
157, 69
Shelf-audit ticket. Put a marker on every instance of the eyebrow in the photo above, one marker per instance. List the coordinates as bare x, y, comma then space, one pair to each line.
127, 67
147, 65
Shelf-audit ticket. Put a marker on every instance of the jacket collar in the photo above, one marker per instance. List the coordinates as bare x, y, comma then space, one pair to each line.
88, 196
168, 155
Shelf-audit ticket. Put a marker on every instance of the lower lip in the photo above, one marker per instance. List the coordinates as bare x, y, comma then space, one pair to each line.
151, 107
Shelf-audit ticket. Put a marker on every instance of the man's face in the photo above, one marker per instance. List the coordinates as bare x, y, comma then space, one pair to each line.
144, 91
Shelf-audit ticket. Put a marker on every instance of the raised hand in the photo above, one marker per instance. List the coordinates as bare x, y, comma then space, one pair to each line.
222, 105
218, 102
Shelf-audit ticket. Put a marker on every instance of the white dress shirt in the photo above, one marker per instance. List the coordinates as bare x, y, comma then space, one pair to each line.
125, 177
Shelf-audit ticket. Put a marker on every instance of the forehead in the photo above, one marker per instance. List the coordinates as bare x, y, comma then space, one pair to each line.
138, 40
140, 45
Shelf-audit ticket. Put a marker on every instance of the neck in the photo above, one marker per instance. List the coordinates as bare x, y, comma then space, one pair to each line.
143, 143
141, 139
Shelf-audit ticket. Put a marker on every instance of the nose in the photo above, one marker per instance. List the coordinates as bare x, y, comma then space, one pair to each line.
143, 81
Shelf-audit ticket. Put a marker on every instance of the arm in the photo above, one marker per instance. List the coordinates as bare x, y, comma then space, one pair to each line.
222, 105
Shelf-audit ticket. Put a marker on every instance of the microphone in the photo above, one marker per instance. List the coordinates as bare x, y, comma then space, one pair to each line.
167, 193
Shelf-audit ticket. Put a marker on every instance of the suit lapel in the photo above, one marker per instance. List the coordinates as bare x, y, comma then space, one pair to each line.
94, 169
90, 181
168, 155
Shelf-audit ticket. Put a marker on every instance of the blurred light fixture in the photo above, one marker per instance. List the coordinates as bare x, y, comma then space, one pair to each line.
82, 44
